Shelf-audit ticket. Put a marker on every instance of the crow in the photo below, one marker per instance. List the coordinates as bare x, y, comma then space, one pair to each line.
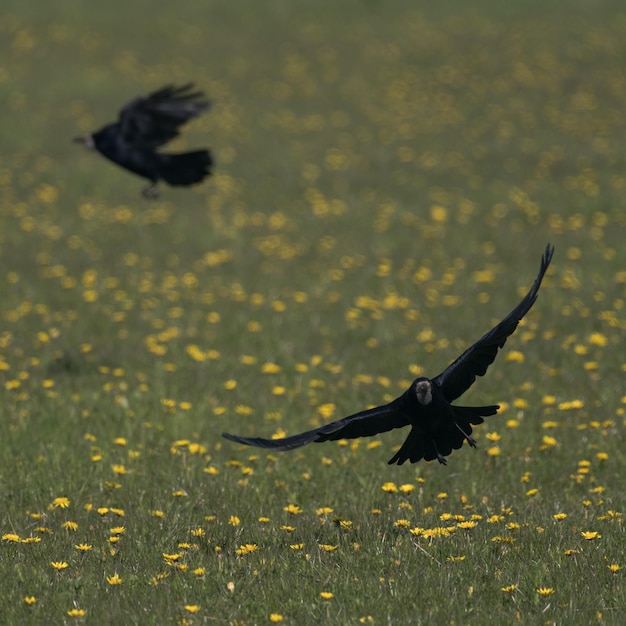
146, 123
437, 425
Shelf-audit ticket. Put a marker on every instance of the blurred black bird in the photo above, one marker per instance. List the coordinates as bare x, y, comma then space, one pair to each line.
437, 426
145, 124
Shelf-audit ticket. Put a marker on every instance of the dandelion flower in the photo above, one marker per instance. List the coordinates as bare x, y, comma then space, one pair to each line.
545, 591
390, 487
76, 612
293, 509
83, 547
590, 535
114, 580
614, 567
192, 608
327, 595
30, 600
58, 565
276, 617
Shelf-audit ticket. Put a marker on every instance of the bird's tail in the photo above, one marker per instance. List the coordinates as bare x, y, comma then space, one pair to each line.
185, 169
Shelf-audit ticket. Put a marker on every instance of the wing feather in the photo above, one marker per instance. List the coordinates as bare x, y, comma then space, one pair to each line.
460, 375
362, 424
153, 120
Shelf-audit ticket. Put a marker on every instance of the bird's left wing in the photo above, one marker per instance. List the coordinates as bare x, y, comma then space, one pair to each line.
363, 424
459, 376
153, 120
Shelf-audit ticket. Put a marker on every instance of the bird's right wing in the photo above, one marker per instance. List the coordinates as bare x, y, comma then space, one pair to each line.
153, 120
363, 424
459, 375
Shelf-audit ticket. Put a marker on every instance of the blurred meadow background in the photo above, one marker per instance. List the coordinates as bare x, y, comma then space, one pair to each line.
387, 177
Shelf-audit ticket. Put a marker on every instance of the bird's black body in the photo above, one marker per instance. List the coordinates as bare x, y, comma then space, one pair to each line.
147, 123
437, 425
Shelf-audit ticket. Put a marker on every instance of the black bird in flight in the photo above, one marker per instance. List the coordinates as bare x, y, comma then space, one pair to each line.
437, 425
149, 122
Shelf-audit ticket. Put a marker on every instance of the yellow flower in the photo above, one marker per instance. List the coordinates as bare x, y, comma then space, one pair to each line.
293, 509
233, 520
407, 488
466, 524
327, 548
118, 530
246, 549
30, 600
508, 588
61, 503
199, 571
114, 580
327, 595
559, 516
590, 534
545, 591
83, 547
76, 612
402, 523
514, 356
614, 567
390, 487
59, 565
276, 617
11, 537
70, 525
192, 608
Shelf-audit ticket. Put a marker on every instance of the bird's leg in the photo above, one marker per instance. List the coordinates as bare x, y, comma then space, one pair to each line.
440, 456
150, 192
470, 439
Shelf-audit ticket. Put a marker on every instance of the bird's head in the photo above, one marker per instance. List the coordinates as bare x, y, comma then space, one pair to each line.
85, 140
423, 391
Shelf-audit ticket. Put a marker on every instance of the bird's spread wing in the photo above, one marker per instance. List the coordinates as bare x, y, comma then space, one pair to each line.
460, 375
151, 121
363, 424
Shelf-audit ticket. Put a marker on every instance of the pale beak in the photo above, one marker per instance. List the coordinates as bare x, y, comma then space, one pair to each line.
86, 140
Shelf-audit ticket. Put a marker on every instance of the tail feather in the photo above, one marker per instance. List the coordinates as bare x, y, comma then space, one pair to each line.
185, 169
440, 442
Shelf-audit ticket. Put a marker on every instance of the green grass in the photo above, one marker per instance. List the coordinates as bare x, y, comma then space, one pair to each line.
387, 178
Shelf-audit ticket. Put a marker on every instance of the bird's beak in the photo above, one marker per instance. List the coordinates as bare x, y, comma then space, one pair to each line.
86, 140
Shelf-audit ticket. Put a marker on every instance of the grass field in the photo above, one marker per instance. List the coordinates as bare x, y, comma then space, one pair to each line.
387, 178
